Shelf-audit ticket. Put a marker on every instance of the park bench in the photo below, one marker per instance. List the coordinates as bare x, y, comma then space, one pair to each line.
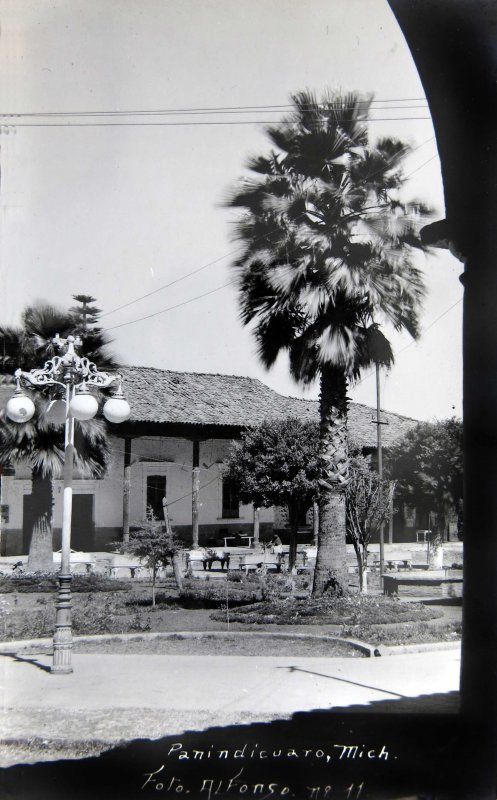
253, 561
394, 559
447, 583
112, 569
79, 561
84, 566
207, 558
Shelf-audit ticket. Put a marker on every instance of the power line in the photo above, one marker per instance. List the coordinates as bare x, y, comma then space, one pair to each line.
13, 126
233, 252
167, 285
421, 165
197, 297
414, 341
194, 112
202, 110
211, 291
170, 308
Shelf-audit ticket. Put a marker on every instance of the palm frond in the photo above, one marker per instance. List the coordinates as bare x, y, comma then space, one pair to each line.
40, 442
326, 240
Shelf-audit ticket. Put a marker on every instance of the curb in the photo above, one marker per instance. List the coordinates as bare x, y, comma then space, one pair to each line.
421, 647
22, 644
370, 651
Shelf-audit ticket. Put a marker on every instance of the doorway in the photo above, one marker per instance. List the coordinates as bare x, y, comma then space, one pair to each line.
83, 522
156, 492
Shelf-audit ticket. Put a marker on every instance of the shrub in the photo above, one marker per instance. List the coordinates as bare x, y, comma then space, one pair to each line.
39, 624
106, 616
407, 633
162, 600
26, 582
97, 613
241, 589
198, 593
234, 577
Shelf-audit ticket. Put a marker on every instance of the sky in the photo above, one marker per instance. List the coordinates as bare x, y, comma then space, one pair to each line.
124, 207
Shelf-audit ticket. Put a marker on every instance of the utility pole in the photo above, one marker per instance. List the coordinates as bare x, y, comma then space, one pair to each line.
380, 464
126, 487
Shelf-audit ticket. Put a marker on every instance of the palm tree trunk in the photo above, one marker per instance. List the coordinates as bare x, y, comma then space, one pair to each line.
40, 558
331, 562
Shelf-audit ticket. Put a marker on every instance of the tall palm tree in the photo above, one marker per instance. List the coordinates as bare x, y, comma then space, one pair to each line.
39, 443
326, 259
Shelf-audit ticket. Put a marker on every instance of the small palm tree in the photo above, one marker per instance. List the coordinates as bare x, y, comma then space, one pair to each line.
40, 442
326, 258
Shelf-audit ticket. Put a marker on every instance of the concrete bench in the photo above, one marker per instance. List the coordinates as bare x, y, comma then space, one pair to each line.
254, 561
391, 583
79, 561
85, 567
395, 559
111, 569
206, 558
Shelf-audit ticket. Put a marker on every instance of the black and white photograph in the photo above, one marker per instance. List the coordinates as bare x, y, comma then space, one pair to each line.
248, 399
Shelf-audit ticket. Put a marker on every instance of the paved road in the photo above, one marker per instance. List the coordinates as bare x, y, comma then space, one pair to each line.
111, 698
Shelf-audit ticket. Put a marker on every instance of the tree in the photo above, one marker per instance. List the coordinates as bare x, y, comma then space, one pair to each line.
326, 258
428, 467
85, 314
368, 505
154, 542
85, 317
40, 442
277, 464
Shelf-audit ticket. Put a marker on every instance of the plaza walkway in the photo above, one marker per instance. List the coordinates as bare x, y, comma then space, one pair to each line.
115, 698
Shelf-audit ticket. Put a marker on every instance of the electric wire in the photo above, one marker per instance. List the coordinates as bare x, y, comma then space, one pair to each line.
191, 123
233, 252
170, 308
209, 109
413, 342
211, 291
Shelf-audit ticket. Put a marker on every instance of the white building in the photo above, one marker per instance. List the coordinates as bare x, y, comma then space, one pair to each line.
180, 430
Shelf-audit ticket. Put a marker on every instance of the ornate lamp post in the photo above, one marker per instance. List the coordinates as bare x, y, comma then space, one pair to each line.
74, 374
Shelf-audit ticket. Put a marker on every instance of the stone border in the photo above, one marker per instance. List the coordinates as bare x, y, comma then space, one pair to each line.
420, 647
367, 649
22, 644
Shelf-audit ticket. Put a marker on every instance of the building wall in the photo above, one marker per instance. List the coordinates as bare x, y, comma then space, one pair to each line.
171, 457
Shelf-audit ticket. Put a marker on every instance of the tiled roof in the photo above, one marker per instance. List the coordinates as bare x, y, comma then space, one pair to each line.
157, 395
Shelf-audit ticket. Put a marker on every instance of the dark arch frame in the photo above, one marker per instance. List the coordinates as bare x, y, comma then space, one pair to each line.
454, 47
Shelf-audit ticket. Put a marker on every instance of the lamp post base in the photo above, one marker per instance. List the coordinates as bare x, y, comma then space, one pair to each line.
62, 642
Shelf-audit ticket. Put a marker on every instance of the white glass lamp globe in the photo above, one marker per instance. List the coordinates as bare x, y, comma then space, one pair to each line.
116, 409
20, 407
83, 406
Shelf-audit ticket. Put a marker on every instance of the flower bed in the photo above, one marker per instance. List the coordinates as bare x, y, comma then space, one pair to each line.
240, 589
350, 611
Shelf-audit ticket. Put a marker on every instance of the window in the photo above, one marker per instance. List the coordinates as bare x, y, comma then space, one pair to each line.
156, 491
231, 500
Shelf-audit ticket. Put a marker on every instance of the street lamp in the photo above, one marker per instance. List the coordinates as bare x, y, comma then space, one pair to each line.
74, 374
